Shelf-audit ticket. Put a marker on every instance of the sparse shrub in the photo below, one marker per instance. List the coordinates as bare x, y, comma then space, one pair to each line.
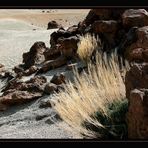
95, 104
114, 124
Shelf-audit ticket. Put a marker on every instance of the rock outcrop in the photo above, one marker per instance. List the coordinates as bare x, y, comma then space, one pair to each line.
17, 92
35, 56
53, 25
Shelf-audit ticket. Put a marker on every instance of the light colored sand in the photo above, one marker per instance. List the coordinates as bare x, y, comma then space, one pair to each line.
14, 43
66, 17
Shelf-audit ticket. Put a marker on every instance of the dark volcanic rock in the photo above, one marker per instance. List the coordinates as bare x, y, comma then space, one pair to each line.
135, 17
18, 96
136, 78
2, 69
68, 46
50, 88
58, 79
137, 116
30, 71
53, 25
110, 26
58, 34
73, 30
49, 65
137, 51
45, 104
19, 92
52, 53
34, 84
35, 55
107, 31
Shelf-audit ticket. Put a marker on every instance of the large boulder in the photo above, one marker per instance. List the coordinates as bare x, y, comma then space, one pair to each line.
102, 26
103, 14
17, 97
135, 17
49, 65
107, 31
58, 79
19, 92
136, 77
35, 83
98, 14
138, 50
137, 116
35, 55
52, 53
73, 30
68, 46
58, 34
50, 88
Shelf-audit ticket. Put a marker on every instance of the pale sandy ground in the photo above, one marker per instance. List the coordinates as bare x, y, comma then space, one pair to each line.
37, 17
17, 36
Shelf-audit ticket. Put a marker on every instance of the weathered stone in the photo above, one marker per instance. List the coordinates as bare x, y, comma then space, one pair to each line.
136, 78
50, 88
52, 53
137, 51
35, 55
33, 84
49, 65
58, 34
30, 71
101, 26
2, 69
58, 79
53, 25
73, 29
17, 97
137, 116
45, 104
135, 17
68, 46
19, 68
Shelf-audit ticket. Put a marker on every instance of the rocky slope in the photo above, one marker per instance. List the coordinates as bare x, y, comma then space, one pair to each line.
123, 30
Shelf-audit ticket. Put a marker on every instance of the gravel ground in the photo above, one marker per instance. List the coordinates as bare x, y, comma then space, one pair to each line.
27, 120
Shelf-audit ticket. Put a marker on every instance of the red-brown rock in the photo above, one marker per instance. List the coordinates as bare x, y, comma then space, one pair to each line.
17, 97
50, 88
102, 26
35, 55
49, 65
97, 14
68, 46
137, 116
53, 25
138, 50
58, 34
58, 79
135, 17
30, 71
34, 84
73, 29
136, 78
52, 53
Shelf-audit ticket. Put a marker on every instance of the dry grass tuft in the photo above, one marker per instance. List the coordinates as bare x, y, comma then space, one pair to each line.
86, 46
91, 92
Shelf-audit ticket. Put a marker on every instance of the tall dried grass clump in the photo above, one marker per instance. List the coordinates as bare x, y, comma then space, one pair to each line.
87, 45
95, 104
